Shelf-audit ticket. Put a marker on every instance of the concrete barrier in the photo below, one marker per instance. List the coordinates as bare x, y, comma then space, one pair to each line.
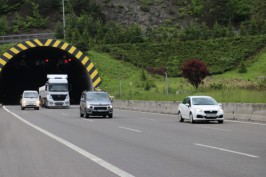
233, 111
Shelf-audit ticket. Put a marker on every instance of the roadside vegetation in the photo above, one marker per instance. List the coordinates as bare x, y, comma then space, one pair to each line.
135, 44
237, 87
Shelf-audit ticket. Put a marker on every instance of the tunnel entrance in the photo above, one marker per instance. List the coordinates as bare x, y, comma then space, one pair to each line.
28, 70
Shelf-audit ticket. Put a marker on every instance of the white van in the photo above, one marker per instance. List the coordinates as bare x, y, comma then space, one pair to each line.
30, 99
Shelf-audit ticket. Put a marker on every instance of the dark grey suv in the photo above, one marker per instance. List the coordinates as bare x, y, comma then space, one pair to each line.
95, 103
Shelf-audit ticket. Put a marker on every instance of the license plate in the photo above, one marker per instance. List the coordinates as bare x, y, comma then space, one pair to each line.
211, 115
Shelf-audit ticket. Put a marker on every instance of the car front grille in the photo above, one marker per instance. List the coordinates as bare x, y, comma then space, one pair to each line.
100, 108
210, 112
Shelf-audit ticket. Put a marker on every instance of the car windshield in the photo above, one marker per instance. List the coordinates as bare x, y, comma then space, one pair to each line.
97, 97
203, 101
58, 87
30, 95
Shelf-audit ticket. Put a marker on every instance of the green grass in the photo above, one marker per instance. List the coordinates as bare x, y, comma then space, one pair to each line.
236, 87
255, 69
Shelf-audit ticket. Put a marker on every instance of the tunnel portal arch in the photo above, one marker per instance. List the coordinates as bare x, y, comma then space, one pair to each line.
47, 46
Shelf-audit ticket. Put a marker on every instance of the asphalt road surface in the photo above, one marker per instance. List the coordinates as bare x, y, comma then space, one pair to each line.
58, 143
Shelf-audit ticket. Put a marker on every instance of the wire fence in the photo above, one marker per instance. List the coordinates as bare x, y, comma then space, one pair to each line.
25, 37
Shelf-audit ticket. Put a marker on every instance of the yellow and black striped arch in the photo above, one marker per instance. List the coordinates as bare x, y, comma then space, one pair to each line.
92, 71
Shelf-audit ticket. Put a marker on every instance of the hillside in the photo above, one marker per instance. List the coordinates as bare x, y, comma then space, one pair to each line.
35, 15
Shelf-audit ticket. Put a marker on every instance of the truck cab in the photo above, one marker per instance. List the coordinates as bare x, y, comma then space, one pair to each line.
55, 92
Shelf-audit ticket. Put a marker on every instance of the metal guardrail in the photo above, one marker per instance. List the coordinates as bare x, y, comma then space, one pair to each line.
25, 37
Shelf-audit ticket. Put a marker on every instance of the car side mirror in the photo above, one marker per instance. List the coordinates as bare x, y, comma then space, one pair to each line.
220, 104
188, 105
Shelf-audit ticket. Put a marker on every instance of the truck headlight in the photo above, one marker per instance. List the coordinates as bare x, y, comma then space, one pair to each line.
38, 102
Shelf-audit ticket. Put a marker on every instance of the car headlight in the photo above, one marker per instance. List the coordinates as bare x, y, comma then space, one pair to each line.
220, 110
110, 106
38, 102
23, 102
198, 110
89, 106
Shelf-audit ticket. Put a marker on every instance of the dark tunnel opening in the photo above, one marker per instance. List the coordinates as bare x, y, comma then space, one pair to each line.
28, 71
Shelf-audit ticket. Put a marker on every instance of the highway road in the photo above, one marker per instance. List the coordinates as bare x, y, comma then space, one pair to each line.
58, 143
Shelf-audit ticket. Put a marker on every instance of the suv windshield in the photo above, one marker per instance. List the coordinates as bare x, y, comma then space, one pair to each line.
97, 96
203, 101
30, 95
58, 87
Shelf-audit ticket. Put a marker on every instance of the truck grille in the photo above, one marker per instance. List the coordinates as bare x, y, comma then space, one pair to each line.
59, 97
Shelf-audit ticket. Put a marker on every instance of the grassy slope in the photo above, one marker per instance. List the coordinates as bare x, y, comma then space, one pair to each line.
111, 70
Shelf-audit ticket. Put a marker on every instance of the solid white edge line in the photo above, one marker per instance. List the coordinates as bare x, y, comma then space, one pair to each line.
213, 128
88, 155
242, 122
130, 129
175, 115
226, 150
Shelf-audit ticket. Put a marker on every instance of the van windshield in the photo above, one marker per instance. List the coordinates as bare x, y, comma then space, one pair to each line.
30, 95
97, 97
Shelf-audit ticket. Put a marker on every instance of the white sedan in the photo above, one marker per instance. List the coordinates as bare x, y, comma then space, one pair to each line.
200, 108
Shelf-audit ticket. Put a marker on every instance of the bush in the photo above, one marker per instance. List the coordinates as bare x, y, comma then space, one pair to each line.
242, 68
195, 71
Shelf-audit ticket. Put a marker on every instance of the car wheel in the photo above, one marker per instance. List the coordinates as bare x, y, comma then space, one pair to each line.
180, 118
81, 115
220, 121
110, 116
22, 108
191, 118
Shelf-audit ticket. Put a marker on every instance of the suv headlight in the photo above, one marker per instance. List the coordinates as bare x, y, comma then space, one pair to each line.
220, 110
89, 106
110, 106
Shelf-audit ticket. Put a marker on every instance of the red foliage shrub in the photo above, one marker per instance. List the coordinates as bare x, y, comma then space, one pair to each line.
194, 71
156, 70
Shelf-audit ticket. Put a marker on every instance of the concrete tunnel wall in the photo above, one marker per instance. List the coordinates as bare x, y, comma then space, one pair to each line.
24, 67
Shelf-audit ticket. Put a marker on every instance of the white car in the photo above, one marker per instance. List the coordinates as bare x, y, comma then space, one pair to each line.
200, 108
30, 99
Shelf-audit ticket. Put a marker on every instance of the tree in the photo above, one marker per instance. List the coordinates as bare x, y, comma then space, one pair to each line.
194, 71
3, 26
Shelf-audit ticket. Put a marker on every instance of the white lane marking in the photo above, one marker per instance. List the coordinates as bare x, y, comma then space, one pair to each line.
88, 155
226, 150
65, 114
130, 129
214, 128
245, 122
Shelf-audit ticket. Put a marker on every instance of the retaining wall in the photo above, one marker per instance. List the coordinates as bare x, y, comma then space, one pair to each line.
232, 111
